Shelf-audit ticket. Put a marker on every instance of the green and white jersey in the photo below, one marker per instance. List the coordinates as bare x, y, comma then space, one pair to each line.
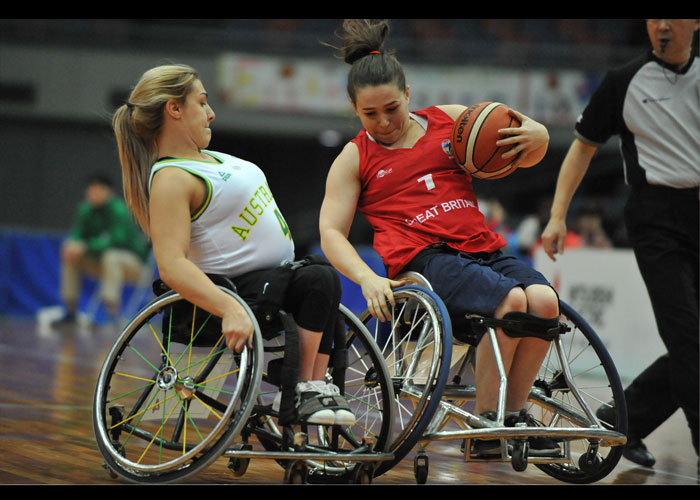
239, 227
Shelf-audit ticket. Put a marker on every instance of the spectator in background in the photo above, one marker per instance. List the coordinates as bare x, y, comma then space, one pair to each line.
105, 244
497, 220
589, 226
652, 104
529, 229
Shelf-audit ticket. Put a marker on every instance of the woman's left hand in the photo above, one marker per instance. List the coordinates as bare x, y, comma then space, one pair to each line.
531, 137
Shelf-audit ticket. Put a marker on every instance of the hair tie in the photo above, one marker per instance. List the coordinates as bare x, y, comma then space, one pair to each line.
129, 105
374, 52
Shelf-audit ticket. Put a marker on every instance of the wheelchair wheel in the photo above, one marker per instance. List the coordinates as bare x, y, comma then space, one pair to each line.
165, 408
595, 376
359, 371
417, 347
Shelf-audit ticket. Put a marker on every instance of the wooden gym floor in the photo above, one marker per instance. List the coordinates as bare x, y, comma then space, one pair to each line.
47, 381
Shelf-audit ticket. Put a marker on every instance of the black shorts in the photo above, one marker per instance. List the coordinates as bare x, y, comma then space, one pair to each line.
313, 297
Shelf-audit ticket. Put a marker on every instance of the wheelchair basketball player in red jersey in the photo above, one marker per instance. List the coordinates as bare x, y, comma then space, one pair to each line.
396, 168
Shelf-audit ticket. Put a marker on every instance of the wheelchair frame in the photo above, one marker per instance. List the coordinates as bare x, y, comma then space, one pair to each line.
405, 372
212, 401
421, 335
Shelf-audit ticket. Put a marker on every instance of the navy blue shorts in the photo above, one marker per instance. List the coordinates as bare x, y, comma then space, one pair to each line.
476, 284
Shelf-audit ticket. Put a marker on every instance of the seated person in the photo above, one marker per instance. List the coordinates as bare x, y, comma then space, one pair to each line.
398, 173
103, 243
210, 213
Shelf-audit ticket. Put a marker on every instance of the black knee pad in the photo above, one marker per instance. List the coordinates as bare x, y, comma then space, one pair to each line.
522, 324
314, 296
318, 278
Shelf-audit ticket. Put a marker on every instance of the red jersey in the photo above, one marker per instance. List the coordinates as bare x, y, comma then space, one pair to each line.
419, 196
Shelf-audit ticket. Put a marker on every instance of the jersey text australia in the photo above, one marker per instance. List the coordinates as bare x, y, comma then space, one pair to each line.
239, 227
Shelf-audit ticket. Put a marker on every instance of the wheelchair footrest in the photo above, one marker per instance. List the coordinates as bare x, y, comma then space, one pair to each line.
605, 437
310, 455
506, 452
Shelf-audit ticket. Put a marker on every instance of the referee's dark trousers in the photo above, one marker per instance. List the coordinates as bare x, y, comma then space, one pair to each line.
662, 225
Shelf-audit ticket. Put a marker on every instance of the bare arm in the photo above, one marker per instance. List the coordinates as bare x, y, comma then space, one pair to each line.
173, 193
573, 169
337, 214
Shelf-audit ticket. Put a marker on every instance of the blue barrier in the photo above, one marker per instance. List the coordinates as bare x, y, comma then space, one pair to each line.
352, 293
29, 271
30, 274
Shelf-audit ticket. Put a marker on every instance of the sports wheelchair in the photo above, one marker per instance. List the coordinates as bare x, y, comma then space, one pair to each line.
171, 398
432, 372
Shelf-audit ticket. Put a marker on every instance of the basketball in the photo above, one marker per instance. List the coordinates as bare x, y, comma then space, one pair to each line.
474, 137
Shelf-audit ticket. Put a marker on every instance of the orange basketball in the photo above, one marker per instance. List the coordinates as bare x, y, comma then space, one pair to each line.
474, 137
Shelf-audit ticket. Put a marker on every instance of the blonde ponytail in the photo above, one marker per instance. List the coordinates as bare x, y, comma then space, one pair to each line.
137, 125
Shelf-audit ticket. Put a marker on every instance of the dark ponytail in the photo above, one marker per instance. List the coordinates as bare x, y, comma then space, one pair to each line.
362, 48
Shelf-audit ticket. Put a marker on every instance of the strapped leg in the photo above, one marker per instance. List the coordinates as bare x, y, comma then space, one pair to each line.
521, 324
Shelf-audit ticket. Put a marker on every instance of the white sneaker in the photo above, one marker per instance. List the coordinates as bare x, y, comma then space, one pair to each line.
310, 405
343, 415
315, 409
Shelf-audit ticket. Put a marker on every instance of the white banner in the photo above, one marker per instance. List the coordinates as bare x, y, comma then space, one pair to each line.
282, 84
605, 287
285, 84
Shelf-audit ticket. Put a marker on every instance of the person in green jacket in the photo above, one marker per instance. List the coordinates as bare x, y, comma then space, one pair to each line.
105, 243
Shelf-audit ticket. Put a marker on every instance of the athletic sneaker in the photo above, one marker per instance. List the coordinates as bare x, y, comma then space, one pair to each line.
312, 406
343, 414
319, 403
539, 445
67, 319
486, 447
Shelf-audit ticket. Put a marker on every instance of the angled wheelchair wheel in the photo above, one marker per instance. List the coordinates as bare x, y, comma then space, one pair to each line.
581, 358
358, 369
171, 396
416, 346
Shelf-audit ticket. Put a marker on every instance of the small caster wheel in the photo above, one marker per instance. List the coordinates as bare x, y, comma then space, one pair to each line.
239, 466
518, 458
363, 474
122, 451
421, 465
590, 462
109, 470
296, 472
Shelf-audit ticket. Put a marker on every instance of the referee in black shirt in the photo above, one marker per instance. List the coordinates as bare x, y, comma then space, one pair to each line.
653, 105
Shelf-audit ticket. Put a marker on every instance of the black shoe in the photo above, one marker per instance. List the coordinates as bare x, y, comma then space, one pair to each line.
482, 448
67, 319
635, 451
538, 445
606, 414
486, 447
